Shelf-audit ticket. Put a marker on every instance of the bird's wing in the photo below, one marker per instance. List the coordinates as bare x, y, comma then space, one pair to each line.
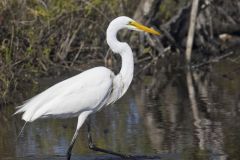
86, 91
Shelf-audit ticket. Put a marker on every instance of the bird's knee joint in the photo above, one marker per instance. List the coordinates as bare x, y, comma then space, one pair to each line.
91, 146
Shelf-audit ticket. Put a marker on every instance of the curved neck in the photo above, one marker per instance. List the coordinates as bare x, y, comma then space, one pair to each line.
127, 66
126, 72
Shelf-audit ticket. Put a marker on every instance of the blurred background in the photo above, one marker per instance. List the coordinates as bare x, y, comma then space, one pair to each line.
169, 111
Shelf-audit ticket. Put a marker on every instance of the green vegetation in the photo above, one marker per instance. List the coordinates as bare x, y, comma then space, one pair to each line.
167, 10
37, 35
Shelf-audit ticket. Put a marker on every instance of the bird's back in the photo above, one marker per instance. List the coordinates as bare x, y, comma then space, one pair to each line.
85, 91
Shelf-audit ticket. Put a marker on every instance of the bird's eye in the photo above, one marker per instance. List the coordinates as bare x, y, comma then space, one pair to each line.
130, 23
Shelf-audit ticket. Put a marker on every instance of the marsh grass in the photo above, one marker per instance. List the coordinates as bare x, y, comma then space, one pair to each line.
36, 36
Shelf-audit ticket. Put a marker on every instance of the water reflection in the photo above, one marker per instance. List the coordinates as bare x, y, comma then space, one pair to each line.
188, 115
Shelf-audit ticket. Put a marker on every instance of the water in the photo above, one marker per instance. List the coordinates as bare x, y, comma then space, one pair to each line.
187, 116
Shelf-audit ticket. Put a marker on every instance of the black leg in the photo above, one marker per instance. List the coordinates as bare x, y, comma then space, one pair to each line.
93, 147
81, 118
69, 151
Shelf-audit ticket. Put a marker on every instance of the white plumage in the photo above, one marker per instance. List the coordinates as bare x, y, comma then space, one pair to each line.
68, 98
88, 91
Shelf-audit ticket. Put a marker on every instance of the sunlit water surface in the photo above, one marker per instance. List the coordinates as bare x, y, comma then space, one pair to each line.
185, 116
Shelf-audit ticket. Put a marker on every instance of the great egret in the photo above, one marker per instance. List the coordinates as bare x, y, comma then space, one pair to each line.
89, 91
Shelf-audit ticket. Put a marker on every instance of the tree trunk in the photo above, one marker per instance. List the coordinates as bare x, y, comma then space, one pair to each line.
217, 28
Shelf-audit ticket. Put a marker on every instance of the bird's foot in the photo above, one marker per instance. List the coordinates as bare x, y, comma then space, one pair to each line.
95, 148
127, 157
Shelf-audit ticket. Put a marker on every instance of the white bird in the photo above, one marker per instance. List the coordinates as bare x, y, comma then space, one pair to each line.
89, 91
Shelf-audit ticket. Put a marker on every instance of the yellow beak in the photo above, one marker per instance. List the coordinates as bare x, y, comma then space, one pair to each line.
144, 28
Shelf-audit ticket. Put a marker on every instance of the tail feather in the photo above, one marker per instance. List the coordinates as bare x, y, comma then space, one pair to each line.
20, 110
18, 107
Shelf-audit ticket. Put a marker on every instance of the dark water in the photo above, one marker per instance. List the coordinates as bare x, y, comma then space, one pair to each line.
187, 116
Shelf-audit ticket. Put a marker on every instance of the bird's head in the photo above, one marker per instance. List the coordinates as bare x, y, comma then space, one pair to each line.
121, 23
126, 22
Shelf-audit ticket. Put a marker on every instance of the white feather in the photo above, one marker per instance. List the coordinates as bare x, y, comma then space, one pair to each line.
70, 97
86, 92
